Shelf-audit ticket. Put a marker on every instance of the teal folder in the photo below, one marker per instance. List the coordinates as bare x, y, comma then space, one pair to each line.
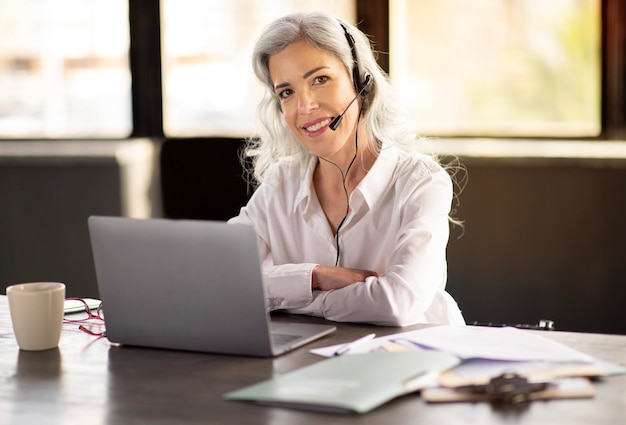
355, 383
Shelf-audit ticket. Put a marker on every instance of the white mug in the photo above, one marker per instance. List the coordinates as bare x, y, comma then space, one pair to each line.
37, 314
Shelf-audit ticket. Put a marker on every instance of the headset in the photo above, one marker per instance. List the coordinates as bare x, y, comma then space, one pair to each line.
361, 87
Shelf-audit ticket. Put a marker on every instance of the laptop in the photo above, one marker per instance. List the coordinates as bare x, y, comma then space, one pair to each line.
188, 285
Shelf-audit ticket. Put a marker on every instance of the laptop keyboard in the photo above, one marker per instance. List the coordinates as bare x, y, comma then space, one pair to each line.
281, 339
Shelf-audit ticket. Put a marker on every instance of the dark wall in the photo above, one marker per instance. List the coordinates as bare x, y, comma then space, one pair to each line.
44, 205
544, 239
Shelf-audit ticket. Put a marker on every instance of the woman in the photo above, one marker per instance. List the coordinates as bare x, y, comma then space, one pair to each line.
351, 219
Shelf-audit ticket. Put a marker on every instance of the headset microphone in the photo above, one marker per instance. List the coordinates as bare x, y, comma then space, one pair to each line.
335, 123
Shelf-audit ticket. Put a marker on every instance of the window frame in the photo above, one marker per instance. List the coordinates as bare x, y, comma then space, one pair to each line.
373, 19
613, 70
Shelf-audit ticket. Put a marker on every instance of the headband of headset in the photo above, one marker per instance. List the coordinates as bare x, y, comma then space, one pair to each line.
356, 73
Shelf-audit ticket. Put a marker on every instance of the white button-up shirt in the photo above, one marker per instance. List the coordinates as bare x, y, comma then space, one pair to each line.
397, 226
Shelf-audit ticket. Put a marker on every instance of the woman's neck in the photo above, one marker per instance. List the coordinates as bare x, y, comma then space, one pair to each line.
349, 168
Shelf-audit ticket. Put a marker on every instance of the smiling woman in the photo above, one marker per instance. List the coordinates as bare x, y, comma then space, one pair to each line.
352, 220
312, 95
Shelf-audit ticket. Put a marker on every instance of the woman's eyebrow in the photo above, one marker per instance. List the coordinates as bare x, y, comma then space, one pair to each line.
312, 71
304, 76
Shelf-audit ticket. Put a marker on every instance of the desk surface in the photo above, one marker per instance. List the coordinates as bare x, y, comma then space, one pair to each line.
88, 381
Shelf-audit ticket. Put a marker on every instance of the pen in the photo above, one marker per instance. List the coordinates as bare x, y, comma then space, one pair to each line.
350, 345
545, 325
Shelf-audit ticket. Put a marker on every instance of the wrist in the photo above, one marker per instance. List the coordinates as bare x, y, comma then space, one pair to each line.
314, 282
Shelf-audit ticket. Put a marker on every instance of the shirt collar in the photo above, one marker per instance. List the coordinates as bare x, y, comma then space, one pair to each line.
304, 192
371, 187
378, 179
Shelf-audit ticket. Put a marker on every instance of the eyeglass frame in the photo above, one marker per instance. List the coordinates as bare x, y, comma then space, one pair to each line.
90, 316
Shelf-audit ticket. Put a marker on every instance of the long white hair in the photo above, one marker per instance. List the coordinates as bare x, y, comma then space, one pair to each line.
384, 124
381, 120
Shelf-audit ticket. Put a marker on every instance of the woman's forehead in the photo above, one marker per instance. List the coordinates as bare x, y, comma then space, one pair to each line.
298, 58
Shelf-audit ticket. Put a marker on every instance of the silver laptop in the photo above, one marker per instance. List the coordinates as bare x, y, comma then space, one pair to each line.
187, 285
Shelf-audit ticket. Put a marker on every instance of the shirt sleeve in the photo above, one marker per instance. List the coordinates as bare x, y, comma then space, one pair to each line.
287, 286
411, 289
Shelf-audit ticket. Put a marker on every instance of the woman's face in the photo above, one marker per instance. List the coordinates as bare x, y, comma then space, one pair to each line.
313, 88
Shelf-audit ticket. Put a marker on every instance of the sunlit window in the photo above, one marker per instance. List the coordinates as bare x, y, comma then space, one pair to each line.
476, 68
64, 69
208, 84
498, 67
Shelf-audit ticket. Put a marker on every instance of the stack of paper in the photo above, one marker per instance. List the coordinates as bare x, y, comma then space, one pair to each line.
487, 353
441, 361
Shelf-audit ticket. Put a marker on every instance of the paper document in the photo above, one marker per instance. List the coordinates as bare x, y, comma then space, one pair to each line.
350, 383
75, 306
477, 342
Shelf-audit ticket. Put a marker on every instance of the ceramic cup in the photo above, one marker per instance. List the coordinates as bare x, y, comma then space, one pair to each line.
37, 314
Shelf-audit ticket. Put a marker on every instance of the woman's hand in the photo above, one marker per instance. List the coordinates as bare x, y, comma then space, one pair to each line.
326, 278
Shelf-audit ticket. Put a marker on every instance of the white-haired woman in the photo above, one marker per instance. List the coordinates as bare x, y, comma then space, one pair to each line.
352, 219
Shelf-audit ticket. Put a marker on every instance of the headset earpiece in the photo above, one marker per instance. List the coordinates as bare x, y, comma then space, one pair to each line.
359, 86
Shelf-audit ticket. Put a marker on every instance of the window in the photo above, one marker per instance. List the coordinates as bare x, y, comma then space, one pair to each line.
64, 69
208, 83
498, 68
501, 68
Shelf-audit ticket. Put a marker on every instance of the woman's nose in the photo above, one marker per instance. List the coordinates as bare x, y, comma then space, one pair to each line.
306, 102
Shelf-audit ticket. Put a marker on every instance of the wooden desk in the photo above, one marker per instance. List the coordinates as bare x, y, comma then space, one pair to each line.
87, 381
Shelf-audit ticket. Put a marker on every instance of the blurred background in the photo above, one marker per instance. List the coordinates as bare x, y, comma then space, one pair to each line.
483, 67
139, 108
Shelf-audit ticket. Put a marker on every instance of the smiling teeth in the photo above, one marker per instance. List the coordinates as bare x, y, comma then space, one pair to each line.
317, 126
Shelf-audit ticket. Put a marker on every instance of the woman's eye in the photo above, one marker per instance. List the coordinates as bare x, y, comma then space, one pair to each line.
284, 94
320, 79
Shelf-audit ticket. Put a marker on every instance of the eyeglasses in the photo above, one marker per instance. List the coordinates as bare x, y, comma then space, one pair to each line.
84, 315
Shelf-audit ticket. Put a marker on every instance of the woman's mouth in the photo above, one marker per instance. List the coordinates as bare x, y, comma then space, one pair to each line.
317, 126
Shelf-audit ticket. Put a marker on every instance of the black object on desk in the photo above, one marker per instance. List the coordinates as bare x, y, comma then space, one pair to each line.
543, 325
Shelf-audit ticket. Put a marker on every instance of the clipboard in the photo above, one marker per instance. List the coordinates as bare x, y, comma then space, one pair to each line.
562, 388
453, 378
